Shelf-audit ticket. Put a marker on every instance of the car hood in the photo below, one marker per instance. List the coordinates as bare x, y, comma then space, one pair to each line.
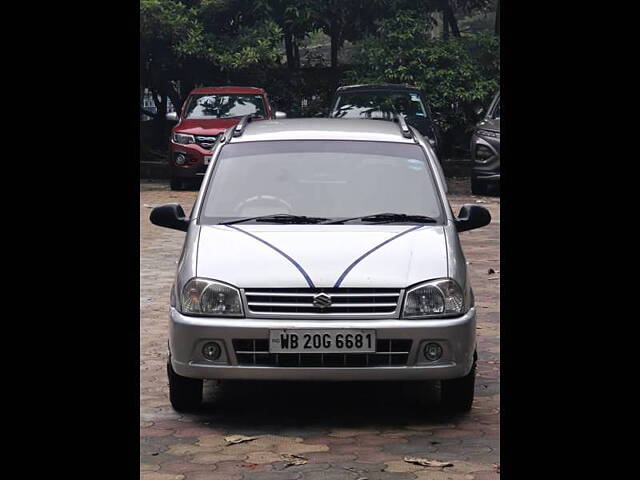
319, 255
204, 126
490, 124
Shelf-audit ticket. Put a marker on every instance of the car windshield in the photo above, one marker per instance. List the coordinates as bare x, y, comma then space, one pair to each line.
224, 106
379, 105
328, 179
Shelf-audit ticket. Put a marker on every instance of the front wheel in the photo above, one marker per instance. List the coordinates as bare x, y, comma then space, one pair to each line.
184, 393
177, 184
457, 394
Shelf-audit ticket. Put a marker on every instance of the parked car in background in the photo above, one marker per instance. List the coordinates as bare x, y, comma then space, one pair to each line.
205, 115
382, 102
322, 249
485, 150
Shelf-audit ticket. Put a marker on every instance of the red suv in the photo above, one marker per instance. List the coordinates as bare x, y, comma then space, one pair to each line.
206, 114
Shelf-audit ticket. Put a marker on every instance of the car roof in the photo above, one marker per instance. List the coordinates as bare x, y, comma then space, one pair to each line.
379, 86
228, 89
322, 129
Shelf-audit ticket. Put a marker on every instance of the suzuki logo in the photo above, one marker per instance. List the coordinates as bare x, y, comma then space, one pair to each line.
322, 300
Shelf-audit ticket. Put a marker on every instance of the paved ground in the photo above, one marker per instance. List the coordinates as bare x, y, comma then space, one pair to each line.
344, 432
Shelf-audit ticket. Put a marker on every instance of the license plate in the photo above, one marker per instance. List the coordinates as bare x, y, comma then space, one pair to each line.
207, 159
322, 341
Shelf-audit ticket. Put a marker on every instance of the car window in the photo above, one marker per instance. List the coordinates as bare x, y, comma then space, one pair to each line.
379, 105
224, 106
332, 179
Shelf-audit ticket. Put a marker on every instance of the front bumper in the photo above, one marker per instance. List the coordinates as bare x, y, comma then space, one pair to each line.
187, 335
487, 169
195, 166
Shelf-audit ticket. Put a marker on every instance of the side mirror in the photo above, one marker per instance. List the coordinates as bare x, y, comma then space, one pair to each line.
172, 116
279, 115
170, 215
472, 216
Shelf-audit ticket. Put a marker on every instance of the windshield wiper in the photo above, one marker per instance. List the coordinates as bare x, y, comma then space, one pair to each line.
279, 218
387, 218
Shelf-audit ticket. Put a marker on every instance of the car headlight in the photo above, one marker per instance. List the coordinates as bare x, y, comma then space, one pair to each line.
487, 133
183, 138
436, 298
483, 153
201, 296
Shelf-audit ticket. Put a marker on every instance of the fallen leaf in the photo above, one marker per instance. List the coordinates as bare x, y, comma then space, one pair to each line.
233, 439
356, 471
427, 463
293, 459
491, 271
497, 467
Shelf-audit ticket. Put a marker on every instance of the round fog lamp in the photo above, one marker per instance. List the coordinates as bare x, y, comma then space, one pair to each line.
211, 351
180, 159
432, 351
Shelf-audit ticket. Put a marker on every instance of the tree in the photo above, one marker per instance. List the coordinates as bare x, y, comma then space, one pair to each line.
183, 43
348, 20
295, 19
163, 27
458, 75
448, 9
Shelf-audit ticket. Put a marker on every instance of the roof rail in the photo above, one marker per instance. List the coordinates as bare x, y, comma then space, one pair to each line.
242, 124
404, 128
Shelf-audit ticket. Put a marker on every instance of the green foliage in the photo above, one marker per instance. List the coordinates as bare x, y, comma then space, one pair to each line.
458, 75
187, 43
180, 39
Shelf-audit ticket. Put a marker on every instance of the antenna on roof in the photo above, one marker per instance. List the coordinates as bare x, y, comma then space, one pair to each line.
239, 128
404, 128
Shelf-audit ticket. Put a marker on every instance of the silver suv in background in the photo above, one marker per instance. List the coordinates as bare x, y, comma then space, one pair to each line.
322, 249
485, 151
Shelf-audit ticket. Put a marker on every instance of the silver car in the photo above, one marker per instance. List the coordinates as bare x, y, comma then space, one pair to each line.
322, 249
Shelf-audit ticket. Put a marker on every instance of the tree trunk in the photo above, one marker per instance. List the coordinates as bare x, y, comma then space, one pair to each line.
288, 46
174, 96
160, 120
335, 42
296, 53
451, 20
445, 26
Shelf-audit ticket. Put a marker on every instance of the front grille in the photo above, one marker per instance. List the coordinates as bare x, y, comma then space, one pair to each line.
343, 300
206, 141
255, 352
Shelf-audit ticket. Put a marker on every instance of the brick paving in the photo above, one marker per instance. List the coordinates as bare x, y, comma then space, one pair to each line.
345, 431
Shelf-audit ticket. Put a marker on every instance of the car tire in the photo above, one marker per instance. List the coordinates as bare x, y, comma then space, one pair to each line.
478, 187
177, 184
185, 393
457, 394
423, 394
